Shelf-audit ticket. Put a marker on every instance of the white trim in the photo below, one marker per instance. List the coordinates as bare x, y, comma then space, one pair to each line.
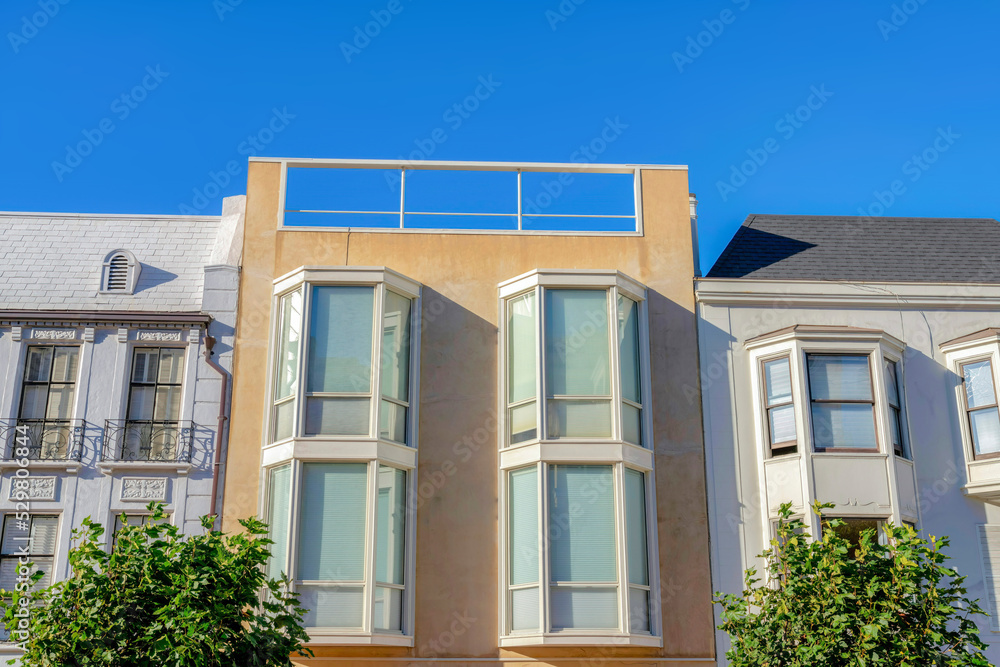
347, 275
573, 278
469, 165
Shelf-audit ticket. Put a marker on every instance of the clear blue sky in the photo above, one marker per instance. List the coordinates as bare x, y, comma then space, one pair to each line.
219, 70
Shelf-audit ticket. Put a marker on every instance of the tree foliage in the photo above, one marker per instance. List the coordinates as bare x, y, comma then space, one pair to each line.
829, 603
160, 598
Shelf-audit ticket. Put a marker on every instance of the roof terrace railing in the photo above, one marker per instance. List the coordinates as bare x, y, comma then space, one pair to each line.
616, 204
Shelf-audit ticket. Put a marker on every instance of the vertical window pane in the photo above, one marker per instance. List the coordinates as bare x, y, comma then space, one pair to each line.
891, 389
782, 423
64, 364
577, 356
522, 423
396, 347
843, 425
523, 530
521, 331
337, 416
582, 523
283, 414
286, 381
979, 383
628, 346
168, 403
579, 419
340, 339
144, 365
60, 401
279, 498
33, 402
635, 528
843, 378
388, 611
392, 424
390, 523
985, 430
524, 609
638, 609
631, 424
778, 381
140, 406
332, 522
44, 530
171, 366
38, 364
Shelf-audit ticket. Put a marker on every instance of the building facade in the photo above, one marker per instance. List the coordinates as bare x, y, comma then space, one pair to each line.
116, 340
474, 446
854, 361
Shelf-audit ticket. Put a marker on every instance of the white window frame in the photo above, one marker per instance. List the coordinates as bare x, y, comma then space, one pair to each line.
542, 452
300, 449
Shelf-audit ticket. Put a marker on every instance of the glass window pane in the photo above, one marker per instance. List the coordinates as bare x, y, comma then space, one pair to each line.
635, 526
524, 609
523, 529
392, 422
631, 424
337, 416
584, 608
839, 377
579, 419
168, 403
171, 366
985, 430
33, 401
286, 380
332, 522
522, 423
390, 525
782, 422
38, 364
582, 524
340, 339
979, 383
283, 415
44, 530
396, 347
628, 346
894, 421
144, 364
140, 405
577, 358
843, 425
778, 381
279, 498
890, 382
332, 606
521, 330
64, 364
638, 609
388, 609
60, 401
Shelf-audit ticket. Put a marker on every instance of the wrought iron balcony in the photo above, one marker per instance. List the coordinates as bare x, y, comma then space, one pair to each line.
144, 440
42, 439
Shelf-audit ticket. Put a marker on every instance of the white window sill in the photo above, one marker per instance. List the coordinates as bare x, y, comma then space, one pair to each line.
67, 466
324, 637
577, 639
180, 467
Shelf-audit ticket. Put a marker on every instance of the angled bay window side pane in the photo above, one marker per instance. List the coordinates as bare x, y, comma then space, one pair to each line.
630, 369
521, 368
782, 435
395, 367
523, 549
981, 406
637, 550
893, 396
578, 363
286, 379
278, 506
390, 542
340, 360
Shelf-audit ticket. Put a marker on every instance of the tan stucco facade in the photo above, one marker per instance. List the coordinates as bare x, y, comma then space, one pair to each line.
456, 594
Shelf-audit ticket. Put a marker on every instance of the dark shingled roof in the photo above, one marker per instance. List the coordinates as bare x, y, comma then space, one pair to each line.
862, 249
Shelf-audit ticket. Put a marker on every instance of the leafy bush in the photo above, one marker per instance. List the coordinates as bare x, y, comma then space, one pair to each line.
161, 599
831, 603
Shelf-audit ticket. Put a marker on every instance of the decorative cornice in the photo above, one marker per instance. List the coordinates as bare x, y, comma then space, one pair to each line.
165, 335
144, 488
53, 334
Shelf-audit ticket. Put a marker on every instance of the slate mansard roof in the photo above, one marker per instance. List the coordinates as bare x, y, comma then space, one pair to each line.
863, 249
54, 261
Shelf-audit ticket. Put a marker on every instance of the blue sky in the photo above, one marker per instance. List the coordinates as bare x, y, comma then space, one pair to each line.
709, 84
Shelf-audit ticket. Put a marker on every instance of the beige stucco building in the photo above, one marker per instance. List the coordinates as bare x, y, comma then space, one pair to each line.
475, 447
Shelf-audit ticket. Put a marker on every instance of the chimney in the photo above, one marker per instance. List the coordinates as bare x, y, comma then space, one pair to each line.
693, 200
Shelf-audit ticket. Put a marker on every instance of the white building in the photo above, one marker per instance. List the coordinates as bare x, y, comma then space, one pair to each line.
855, 361
106, 324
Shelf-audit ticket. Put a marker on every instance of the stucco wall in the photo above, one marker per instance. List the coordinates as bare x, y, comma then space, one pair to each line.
456, 549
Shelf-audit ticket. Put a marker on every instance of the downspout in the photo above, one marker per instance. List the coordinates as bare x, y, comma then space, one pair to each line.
217, 464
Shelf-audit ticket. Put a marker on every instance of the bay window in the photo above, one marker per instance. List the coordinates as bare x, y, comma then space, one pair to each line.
842, 402
340, 458
981, 407
576, 462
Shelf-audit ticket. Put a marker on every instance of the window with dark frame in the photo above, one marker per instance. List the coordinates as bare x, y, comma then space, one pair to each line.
39, 533
892, 391
852, 528
154, 403
47, 395
981, 408
842, 402
132, 520
782, 436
